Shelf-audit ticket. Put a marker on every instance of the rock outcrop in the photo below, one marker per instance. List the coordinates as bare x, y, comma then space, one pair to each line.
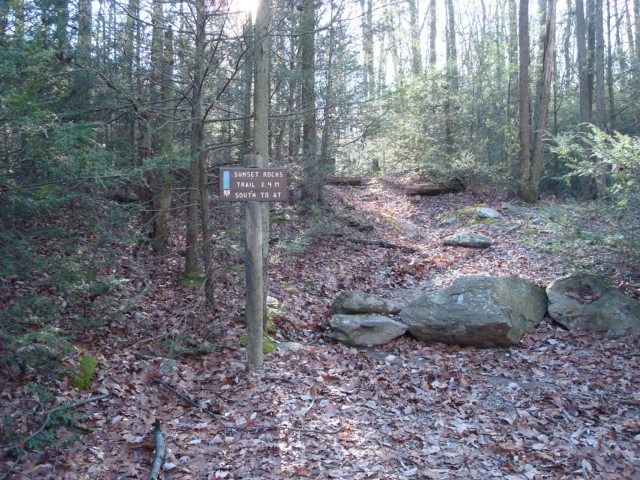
356, 302
365, 330
477, 310
471, 240
583, 301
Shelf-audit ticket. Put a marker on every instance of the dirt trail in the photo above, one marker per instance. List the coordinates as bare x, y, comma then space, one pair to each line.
561, 405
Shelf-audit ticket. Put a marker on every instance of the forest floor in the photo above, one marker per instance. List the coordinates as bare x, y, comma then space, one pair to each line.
560, 405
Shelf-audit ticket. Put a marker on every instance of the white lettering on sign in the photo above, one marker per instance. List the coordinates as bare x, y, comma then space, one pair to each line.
244, 195
247, 184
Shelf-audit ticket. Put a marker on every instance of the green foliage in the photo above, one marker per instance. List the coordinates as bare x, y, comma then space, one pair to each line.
268, 344
613, 221
408, 136
29, 336
63, 418
86, 370
184, 345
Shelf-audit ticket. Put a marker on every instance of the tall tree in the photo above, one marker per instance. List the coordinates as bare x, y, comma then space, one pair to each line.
414, 33
452, 77
82, 85
312, 174
583, 67
433, 33
366, 7
530, 177
524, 156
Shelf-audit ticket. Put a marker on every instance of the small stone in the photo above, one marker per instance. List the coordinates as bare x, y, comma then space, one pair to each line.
485, 212
351, 302
290, 346
470, 240
365, 330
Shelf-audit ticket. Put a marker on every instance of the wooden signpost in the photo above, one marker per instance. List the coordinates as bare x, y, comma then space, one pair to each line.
254, 184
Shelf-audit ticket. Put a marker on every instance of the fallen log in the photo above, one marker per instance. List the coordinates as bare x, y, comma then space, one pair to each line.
454, 185
348, 181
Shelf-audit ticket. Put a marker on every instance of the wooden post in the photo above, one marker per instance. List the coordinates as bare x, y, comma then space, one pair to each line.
254, 264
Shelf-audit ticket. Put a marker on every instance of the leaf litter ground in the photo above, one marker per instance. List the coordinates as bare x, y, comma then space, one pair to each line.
560, 405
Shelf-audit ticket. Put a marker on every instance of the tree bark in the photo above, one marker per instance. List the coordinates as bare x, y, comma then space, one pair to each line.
257, 218
312, 174
247, 85
523, 89
452, 78
433, 31
414, 35
192, 266
327, 166
537, 162
81, 83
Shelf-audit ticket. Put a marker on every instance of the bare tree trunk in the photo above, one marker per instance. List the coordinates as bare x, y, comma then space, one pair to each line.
81, 82
327, 166
160, 95
610, 82
414, 35
601, 180
636, 14
312, 175
164, 194
247, 77
633, 47
192, 266
433, 30
599, 65
199, 150
512, 89
523, 88
583, 75
452, 77
130, 47
537, 161
367, 44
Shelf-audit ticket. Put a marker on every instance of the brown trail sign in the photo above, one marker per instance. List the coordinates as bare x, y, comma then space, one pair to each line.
253, 184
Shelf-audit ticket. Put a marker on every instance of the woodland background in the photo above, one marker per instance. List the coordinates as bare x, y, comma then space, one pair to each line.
114, 116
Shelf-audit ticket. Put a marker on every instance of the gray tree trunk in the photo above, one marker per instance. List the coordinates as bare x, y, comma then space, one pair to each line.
192, 266
523, 90
532, 182
312, 174
452, 78
414, 36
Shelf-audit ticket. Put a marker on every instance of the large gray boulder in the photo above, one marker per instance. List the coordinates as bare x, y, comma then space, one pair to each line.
361, 302
471, 240
365, 330
477, 310
582, 301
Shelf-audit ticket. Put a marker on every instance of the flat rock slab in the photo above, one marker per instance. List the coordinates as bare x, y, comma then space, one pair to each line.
486, 212
477, 310
470, 240
583, 301
356, 302
365, 330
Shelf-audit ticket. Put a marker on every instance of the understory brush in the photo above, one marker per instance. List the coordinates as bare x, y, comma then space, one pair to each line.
603, 233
